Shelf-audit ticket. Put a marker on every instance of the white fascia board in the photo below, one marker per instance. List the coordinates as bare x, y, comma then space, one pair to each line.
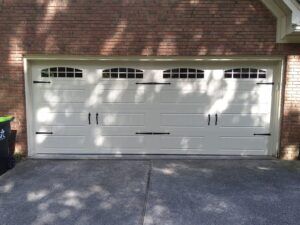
287, 13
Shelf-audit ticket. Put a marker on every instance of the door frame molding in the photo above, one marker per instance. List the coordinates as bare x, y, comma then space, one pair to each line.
278, 63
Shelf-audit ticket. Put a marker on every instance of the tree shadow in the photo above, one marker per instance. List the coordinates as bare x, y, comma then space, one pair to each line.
126, 28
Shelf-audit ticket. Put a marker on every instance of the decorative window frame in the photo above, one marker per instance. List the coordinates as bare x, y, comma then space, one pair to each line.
245, 73
183, 73
122, 73
61, 72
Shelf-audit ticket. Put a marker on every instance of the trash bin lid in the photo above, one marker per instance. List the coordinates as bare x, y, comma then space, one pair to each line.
5, 119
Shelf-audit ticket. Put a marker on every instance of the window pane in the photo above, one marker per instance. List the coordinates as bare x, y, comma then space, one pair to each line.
175, 75
192, 75
114, 75
131, 75
139, 75
105, 75
70, 69
200, 75
183, 75
122, 75
245, 75
62, 74
166, 75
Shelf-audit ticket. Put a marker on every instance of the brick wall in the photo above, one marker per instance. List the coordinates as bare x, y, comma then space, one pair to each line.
290, 131
126, 27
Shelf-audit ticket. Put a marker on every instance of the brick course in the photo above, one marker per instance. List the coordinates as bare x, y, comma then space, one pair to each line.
134, 28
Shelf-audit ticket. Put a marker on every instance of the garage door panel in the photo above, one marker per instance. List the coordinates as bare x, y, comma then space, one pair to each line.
63, 119
119, 119
58, 107
243, 143
68, 130
251, 97
182, 142
64, 142
119, 142
179, 110
173, 96
182, 120
120, 96
62, 96
247, 109
244, 120
185, 109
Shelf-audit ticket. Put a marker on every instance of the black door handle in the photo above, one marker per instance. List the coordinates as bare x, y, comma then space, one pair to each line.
89, 118
208, 123
216, 121
97, 114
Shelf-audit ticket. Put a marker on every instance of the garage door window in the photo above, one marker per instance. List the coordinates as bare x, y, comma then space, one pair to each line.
122, 73
183, 73
245, 73
61, 72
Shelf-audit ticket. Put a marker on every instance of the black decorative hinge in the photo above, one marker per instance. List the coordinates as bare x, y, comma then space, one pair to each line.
43, 132
154, 83
262, 134
41, 82
152, 133
265, 83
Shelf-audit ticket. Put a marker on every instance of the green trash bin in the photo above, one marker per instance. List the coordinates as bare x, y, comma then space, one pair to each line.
6, 157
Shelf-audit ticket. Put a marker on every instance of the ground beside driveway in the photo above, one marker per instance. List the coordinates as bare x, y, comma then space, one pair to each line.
151, 192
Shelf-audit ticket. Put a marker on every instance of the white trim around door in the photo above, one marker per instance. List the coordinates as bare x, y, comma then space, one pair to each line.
158, 119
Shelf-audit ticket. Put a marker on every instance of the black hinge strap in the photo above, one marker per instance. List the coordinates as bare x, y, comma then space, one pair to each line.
265, 83
41, 82
43, 132
152, 133
153, 83
262, 134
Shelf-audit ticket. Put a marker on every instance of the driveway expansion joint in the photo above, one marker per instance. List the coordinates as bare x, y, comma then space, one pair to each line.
148, 177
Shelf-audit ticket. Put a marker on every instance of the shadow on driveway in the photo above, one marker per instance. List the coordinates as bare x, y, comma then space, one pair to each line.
151, 192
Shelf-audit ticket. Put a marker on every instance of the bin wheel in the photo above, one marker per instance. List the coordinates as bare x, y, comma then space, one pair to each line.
11, 162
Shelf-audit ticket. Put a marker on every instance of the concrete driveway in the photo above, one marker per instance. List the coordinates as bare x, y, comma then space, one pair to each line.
160, 192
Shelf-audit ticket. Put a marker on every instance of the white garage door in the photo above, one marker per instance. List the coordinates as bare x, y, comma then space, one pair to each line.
162, 109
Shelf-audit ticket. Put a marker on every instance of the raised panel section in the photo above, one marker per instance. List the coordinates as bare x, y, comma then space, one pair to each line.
119, 142
62, 96
121, 96
243, 143
244, 120
182, 120
176, 96
181, 142
61, 119
118, 119
64, 142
